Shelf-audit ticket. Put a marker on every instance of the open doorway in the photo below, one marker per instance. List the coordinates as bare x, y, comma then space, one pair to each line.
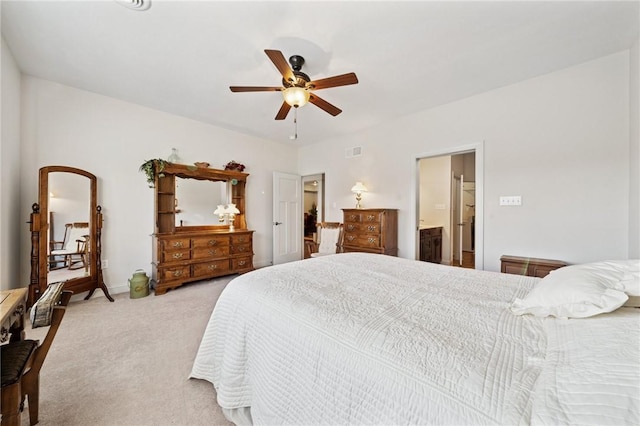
313, 208
449, 207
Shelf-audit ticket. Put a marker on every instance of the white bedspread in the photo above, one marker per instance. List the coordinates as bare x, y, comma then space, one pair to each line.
370, 339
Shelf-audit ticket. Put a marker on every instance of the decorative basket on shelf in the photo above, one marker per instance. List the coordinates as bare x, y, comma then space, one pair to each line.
232, 165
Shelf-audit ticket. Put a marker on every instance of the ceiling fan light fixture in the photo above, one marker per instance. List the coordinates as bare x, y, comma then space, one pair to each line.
296, 96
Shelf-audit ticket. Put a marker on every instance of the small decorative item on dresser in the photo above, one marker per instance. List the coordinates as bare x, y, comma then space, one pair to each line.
232, 165
201, 164
358, 189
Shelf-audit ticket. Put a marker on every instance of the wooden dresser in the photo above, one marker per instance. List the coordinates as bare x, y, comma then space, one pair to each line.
529, 266
198, 255
431, 244
371, 231
182, 254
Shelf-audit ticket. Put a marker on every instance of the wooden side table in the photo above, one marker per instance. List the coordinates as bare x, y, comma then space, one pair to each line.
13, 310
529, 266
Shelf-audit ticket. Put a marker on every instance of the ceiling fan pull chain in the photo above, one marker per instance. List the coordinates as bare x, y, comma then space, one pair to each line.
295, 123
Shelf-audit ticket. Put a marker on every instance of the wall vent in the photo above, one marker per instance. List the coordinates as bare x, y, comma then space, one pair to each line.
356, 151
135, 4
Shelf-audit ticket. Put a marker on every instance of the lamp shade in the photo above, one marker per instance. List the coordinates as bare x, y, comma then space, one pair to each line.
219, 210
232, 209
296, 96
359, 188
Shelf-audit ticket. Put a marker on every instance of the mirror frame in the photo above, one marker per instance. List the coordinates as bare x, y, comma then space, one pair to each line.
40, 235
165, 196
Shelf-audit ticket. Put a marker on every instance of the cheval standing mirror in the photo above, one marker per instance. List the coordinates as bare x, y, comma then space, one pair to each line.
66, 228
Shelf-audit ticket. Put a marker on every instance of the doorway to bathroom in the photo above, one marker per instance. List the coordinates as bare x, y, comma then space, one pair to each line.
449, 207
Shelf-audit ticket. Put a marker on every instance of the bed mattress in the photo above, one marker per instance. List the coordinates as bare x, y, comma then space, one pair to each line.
357, 338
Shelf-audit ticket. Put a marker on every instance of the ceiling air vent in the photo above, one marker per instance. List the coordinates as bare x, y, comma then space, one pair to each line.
135, 4
356, 151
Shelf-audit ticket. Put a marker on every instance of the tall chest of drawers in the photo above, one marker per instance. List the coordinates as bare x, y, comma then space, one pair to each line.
191, 256
371, 231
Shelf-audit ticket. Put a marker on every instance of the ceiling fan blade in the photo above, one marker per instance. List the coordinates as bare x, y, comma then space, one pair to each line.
322, 104
284, 110
280, 62
338, 80
254, 89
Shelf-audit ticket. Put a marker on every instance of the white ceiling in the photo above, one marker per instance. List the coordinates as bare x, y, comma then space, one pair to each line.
181, 56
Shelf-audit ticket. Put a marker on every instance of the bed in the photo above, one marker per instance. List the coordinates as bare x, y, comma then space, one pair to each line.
358, 338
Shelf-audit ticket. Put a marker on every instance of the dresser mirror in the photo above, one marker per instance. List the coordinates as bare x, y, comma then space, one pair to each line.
66, 226
196, 200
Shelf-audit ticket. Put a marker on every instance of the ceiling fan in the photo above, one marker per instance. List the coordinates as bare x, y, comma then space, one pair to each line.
297, 88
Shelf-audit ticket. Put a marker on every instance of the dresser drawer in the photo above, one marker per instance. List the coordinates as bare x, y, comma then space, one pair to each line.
360, 240
363, 228
241, 264
208, 268
210, 242
352, 217
241, 249
210, 252
369, 217
241, 239
175, 243
176, 255
181, 272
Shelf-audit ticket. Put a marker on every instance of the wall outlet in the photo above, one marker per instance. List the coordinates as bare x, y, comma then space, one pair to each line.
512, 200
105, 264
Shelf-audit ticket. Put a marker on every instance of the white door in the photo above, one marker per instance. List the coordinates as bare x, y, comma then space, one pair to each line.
287, 217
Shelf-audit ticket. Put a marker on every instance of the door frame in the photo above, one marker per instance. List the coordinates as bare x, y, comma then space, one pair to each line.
478, 148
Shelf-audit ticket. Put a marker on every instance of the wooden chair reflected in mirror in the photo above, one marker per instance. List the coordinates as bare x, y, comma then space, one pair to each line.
72, 194
73, 250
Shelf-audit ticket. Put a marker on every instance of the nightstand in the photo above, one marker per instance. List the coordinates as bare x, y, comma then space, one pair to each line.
529, 266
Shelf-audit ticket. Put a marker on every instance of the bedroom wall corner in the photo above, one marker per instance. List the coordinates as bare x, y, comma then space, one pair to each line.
10, 171
634, 151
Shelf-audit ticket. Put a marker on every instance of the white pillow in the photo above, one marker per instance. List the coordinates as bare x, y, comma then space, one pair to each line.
631, 283
576, 291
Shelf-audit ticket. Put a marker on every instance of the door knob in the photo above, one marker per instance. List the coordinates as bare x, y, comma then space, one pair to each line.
277, 223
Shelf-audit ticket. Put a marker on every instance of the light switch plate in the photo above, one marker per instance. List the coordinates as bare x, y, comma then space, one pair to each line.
511, 200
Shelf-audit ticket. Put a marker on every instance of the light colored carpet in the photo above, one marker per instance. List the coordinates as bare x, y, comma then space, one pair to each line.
128, 362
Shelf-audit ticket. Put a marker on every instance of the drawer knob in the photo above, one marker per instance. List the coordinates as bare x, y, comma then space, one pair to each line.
177, 273
212, 267
242, 262
177, 255
372, 240
371, 227
241, 248
177, 243
350, 227
213, 242
352, 217
213, 251
350, 237
371, 217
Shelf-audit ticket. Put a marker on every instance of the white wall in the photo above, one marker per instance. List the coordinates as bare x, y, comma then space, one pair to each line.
11, 212
561, 141
634, 151
111, 139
